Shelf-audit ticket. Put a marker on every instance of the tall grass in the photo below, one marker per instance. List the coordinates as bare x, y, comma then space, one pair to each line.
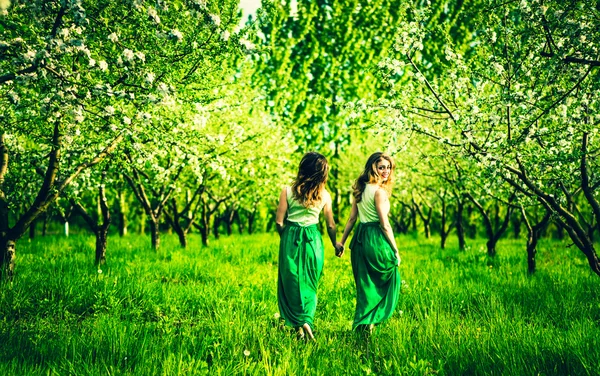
213, 311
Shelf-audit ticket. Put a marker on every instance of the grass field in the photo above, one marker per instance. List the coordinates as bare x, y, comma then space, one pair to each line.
213, 310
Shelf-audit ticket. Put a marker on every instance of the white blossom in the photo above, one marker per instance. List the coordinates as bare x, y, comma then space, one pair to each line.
176, 34
109, 110
126, 120
247, 44
153, 15
103, 65
225, 35
140, 55
113, 37
150, 77
216, 20
163, 88
128, 54
14, 98
30, 55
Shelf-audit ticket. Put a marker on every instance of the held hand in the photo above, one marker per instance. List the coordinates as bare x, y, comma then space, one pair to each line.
339, 249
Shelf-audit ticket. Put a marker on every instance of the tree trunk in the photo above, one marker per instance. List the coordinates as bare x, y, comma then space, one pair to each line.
100, 225
122, 214
216, 225
516, 225
493, 229
443, 231
32, 229
251, 216
45, 225
460, 230
413, 218
491, 247
426, 219
239, 222
7, 258
101, 245
204, 235
155, 234
182, 238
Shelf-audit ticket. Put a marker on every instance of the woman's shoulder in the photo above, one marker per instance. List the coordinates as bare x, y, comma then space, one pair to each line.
381, 192
325, 195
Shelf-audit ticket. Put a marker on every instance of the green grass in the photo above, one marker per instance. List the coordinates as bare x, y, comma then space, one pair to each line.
212, 310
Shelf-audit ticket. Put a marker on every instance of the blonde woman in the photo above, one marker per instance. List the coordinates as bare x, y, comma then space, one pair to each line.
374, 254
301, 245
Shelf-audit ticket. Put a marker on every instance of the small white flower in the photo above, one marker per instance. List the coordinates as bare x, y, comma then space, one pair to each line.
141, 56
103, 66
113, 37
109, 110
176, 34
276, 315
14, 98
246, 352
4, 4
128, 54
126, 120
30, 55
79, 118
92, 63
225, 35
247, 44
150, 77
201, 3
153, 15
216, 20
99, 271
163, 88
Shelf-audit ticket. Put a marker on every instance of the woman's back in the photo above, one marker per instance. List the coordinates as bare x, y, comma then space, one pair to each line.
301, 215
366, 207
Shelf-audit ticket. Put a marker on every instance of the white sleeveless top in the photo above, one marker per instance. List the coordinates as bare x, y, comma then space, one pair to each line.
301, 215
366, 206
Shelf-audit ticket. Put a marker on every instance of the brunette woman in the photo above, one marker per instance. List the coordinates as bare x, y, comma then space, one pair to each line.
301, 245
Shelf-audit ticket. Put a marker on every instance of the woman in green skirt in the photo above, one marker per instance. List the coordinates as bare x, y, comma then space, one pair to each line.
374, 254
301, 245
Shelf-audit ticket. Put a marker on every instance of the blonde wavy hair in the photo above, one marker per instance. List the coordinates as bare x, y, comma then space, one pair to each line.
371, 176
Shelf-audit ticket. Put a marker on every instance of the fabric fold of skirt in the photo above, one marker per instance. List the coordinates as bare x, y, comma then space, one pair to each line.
300, 268
376, 274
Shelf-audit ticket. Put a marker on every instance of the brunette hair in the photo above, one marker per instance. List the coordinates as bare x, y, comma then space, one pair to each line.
312, 176
371, 176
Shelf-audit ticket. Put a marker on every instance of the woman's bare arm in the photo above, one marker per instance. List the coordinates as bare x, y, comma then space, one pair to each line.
281, 210
328, 213
350, 223
382, 205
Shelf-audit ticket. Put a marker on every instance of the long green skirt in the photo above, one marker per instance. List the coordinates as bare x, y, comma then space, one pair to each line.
300, 268
375, 269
